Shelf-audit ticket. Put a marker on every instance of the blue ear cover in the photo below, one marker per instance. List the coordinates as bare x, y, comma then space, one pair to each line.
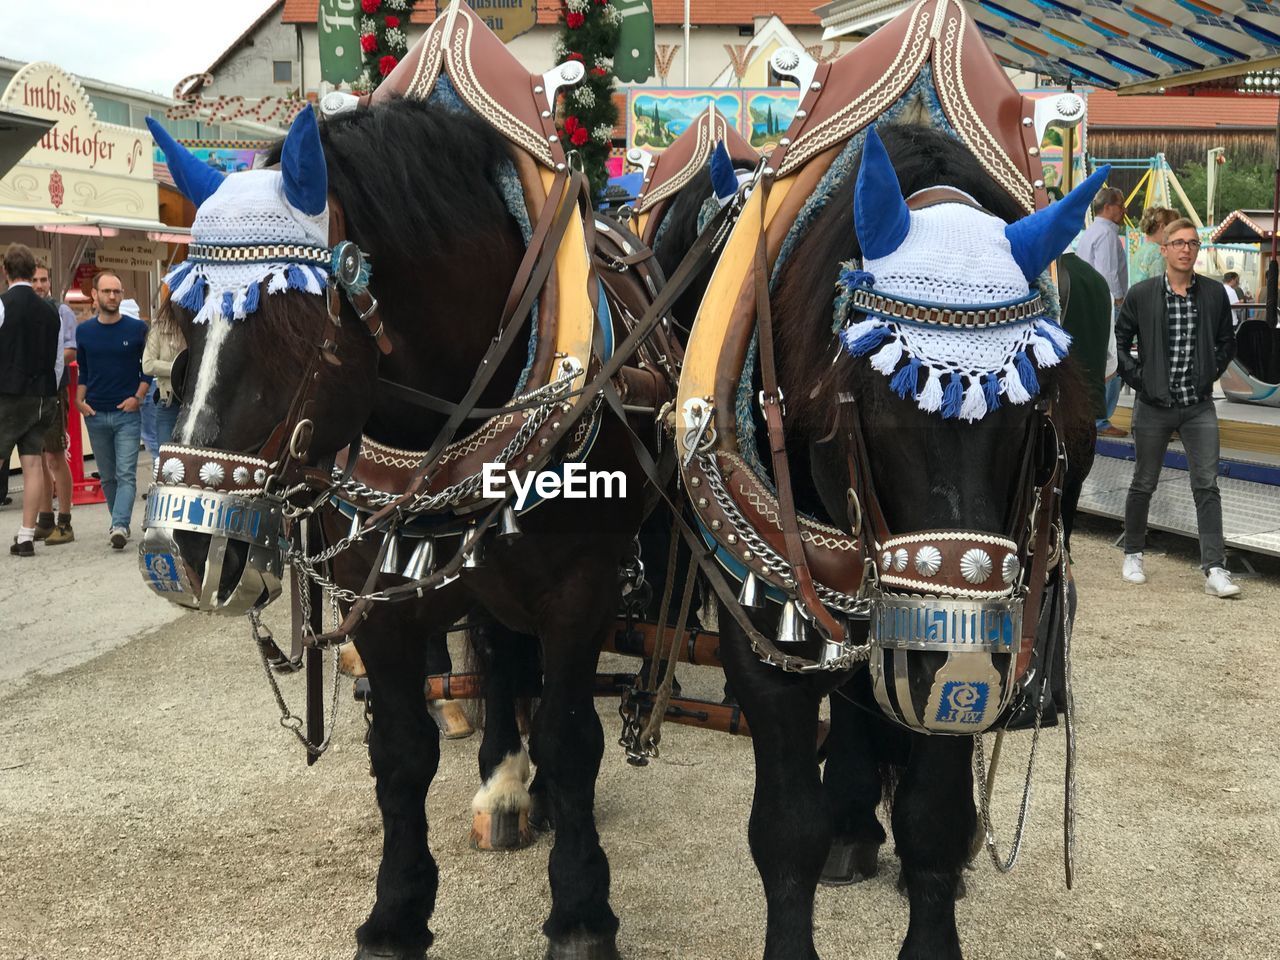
880, 214
1039, 239
723, 180
195, 180
306, 179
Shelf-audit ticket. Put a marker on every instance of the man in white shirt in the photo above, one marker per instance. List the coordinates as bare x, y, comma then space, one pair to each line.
1231, 283
1102, 247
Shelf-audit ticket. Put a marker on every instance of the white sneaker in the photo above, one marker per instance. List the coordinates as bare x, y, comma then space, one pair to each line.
119, 537
1218, 583
1132, 571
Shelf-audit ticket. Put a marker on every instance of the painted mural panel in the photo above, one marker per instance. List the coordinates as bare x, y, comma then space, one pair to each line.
655, 119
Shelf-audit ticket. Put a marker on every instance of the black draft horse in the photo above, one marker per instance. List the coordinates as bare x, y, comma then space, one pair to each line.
418, 184
930, 474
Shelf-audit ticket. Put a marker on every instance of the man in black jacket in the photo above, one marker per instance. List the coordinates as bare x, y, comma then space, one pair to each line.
30, 363
1181, 323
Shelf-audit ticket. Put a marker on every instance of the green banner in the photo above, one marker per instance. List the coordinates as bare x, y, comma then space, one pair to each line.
338, 26
633, 63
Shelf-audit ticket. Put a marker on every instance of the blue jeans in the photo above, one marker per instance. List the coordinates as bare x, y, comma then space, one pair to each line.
1114, 385
115, 436
148, 412
166, 420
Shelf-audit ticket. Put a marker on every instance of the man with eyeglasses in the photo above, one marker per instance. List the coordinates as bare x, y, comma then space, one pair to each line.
1181, 326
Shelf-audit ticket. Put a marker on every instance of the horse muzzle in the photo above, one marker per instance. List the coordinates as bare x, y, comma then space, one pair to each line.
944, 654
212, 550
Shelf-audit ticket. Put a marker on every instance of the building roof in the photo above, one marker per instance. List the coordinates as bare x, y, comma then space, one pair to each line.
248, 32
1108, 110
665, 12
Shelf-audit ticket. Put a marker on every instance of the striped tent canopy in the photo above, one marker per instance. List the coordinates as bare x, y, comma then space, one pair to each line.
1127, 44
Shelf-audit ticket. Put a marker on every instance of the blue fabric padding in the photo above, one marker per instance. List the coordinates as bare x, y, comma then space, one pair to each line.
881, 217
508, 183
1039, 238
195, 180
306, 178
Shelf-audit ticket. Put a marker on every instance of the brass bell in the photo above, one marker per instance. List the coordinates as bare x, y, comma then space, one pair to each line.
790, 626
750, 594
475, 554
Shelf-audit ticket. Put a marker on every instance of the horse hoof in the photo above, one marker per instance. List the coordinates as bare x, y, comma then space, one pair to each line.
583, 946
388, 953
540, 816
501, 830
849, 862
451, 719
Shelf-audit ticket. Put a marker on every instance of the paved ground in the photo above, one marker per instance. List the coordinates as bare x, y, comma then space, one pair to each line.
151, 806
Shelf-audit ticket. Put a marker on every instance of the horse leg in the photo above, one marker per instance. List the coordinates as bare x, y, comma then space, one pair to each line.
790, 828
933, 824
404, 749
501, 806
567, 743
852, 784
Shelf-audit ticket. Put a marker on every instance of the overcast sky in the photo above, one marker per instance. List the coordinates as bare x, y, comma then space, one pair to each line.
146, 44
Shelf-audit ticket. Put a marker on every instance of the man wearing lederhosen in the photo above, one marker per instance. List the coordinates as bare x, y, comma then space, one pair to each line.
30, 365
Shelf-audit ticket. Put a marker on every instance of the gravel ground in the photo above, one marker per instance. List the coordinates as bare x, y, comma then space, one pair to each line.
151, 807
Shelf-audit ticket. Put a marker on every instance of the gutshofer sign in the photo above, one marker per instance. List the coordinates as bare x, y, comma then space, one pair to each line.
80, 165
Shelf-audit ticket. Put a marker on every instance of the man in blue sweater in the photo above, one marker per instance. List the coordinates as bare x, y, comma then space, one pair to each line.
112, 386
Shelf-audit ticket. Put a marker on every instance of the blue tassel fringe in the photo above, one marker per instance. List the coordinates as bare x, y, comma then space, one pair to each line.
905, 380
868, 341
952, 397
1027, 373
991, 391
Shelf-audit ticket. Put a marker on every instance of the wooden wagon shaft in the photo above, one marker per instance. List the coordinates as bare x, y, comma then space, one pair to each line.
725, 718
696, 646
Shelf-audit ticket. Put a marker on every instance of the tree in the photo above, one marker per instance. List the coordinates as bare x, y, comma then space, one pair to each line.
1241, 186
589, 34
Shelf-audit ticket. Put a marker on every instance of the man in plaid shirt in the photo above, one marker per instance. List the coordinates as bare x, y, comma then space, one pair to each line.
1180, 324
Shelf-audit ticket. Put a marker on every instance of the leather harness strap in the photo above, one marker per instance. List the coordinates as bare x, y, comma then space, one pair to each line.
364, 302
772, 403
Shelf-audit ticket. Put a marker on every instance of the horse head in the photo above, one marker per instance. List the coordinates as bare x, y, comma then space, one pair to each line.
275, 375
948, 419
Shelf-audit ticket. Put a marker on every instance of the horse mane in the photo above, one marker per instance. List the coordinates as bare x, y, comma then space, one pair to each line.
803, 298
679, 226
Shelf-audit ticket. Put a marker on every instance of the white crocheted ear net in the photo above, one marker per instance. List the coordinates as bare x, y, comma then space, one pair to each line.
954, 255
250, 207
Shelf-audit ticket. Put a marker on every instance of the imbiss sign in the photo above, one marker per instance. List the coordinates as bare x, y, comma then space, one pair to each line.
80, 165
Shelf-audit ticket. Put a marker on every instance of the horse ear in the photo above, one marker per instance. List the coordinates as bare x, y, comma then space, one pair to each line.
723, 180
1037, 240
880, 215
306, 180
197, 181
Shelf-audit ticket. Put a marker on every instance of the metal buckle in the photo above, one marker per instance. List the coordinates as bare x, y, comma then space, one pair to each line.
782, 401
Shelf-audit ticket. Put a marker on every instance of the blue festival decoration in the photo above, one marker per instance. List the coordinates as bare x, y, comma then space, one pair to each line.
195, 180
306, 178
1039, 239
880, 215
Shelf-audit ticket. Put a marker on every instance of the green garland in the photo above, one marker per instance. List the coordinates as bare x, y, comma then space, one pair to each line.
589, 34
382, 40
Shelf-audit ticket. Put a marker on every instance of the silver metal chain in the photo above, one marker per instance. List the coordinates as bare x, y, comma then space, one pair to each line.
288, 720
980, 773
851, 605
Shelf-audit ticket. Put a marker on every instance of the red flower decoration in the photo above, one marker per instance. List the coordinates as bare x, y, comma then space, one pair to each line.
579, 136
571, 124
575, 20
370, 6
392, 22
387, 63
368, 42
571, 55
598, 71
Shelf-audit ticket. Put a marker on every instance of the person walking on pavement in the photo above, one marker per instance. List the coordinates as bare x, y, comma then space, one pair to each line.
1102, 247
57, 472
30, 364
1181, 324
109, 350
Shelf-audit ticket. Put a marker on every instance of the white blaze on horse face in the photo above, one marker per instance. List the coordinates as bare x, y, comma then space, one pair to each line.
202, 420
